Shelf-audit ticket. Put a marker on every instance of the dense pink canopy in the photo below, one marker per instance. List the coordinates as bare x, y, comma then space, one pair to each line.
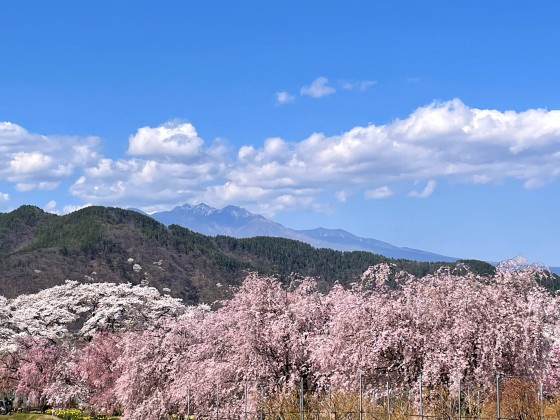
449, 327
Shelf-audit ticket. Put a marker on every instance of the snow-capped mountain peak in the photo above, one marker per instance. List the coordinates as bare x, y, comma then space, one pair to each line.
203, 209
238, 212
239, 222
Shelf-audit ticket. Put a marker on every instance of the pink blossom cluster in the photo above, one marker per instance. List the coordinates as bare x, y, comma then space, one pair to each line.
447, 327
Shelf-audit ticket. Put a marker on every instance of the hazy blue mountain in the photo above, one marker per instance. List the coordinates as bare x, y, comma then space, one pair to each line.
240, 223
343, 240
196, 218
231, 221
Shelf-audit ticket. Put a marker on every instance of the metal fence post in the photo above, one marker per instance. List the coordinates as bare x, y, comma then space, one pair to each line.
469, 404
245, 402
360, 400
330, 402
262, 404
421, 402
188, 403
459, 399
498, 397
541, 401
301, 406
388, 401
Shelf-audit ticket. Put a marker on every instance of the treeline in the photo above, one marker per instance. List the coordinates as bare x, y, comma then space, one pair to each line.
39, 250
283, 257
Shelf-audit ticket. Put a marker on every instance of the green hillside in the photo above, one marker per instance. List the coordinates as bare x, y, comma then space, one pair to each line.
102, 244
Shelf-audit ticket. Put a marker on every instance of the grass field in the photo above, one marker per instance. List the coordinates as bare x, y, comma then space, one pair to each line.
25, 416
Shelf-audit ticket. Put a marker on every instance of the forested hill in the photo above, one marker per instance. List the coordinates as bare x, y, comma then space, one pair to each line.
102, 244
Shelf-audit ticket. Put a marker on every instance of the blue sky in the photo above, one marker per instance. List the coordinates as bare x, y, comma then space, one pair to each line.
433, 125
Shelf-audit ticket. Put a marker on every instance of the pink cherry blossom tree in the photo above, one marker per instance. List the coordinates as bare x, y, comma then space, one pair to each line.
98, 370
123, 347
447, 327
260, 337
42, 337
47, 373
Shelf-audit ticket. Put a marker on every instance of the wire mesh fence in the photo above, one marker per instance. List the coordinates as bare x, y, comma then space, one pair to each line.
512, 397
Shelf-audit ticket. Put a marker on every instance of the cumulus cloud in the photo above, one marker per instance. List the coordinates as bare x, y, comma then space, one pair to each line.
33, 161
426, 192
50, 207
318, 88
142, 182
442, 140
174, 139
171, 163
4, 196
25, 163
378, 193
284, 98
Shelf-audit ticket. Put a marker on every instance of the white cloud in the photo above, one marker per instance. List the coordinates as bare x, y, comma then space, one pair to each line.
426, 192
359, 85
284, 98
4, 196
50, 207
532, 183
442, 140
72, 208
171, 164
318, 88
341, 196
378, 193
25, 163
267, 201
172, 139
34, 161
142, 182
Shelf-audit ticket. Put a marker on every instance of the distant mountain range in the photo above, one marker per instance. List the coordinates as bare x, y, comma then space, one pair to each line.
240, 223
